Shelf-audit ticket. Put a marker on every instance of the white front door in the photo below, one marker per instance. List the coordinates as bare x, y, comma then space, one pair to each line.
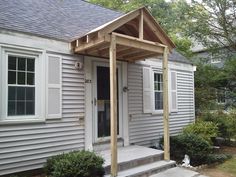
101, 102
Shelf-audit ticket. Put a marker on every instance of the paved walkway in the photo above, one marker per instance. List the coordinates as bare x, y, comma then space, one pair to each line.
178, 172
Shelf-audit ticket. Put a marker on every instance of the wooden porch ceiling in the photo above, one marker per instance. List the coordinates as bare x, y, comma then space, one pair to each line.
138, 36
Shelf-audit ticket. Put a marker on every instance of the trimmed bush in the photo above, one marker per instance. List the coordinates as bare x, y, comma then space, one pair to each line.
217, 158
75, 164
195, 146
207, 130
226, 123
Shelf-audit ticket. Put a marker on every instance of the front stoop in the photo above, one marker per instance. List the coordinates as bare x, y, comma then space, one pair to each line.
137, 161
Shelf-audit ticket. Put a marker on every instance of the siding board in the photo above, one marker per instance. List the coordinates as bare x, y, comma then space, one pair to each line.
27, 146
145, 129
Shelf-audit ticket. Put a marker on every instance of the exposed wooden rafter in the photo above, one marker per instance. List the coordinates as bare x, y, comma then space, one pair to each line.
141, 24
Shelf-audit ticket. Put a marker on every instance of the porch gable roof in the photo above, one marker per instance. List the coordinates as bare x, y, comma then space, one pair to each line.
138, 36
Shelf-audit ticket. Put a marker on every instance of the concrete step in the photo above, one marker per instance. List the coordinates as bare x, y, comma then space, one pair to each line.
136, 162
131, 157
147, 169
178, 172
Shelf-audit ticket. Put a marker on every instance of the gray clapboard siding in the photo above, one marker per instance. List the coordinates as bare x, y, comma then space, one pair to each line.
144, 129
26, 146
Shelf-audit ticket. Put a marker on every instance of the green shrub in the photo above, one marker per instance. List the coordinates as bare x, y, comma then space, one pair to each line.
205, 129
226, 123
217, 158
75, 164
195, 146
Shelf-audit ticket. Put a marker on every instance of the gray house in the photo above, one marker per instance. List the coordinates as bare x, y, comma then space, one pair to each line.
55, 99
216, 58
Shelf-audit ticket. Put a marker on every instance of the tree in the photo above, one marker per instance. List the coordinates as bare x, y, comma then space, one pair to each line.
213, 23
209, 80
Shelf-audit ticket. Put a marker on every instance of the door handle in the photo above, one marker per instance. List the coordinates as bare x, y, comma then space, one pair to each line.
95, 101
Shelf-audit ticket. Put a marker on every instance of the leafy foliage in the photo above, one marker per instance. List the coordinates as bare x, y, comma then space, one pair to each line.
206, 130
193, 145
226, 123
209, 79
75, 164
217, 158
213, 23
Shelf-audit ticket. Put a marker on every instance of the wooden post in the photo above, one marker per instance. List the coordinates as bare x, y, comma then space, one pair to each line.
113, 100
141, 25
166, 105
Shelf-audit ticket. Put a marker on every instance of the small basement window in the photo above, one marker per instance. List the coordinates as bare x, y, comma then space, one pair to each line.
21, 86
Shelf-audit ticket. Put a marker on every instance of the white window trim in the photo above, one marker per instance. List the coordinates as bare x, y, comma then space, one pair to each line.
39, 85
160, 112
155, 111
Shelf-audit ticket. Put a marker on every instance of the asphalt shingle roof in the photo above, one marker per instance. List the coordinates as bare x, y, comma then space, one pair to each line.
176, 56
58, 19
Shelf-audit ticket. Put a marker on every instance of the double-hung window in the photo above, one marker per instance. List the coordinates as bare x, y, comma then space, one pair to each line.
21, 86
22, 82
153, 91
158, 91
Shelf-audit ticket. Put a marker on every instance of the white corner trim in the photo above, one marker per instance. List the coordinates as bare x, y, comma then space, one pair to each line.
125, 104
88, 105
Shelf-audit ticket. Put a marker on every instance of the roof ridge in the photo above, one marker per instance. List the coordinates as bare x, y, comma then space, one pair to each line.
103, 7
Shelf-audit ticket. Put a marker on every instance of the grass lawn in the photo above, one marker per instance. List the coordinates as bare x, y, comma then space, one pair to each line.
226, 169
229, 166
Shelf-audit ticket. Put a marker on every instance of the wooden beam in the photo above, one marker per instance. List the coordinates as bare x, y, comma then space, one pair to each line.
113, 100
138, 43
105, 53
126, 52
91, 44
166, 105
141, 25
157, 30
99, 49
141, 57
120, 21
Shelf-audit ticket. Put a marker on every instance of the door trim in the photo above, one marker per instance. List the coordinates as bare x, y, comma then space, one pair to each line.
88, 60
96, 139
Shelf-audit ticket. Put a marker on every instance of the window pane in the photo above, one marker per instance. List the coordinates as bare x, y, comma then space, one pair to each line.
21, 78
11, 108
11, 93
155, 76
30, 64
21, 64
20, 108
161, 100
156, 86
11, 77
30, 94
30, 78
30, 108
158, 100
11, 63
20, 93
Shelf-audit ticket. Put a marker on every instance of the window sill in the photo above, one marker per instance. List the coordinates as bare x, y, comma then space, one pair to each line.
24, 121
160, 112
